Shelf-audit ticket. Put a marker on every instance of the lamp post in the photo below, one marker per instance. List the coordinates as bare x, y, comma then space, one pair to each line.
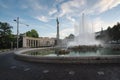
18, 22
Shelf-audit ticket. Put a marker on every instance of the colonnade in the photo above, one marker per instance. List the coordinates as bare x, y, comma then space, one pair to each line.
37, 42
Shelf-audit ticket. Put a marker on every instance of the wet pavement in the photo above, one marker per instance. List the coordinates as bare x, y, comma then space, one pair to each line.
12, 69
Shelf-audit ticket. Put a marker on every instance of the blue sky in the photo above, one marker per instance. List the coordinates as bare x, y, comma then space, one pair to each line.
41, 14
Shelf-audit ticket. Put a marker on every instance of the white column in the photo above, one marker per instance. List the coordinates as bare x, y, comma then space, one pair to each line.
24, 42
39, 43
27, 43
35, 43
32, 43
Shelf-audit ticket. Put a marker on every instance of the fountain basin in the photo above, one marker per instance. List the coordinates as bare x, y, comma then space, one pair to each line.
65, 59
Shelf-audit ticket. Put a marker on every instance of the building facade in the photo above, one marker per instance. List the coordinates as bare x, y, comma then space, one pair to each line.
30, 42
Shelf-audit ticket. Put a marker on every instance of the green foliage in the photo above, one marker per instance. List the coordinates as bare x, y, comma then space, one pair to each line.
5, 35
115, 32
32, 33
111, 34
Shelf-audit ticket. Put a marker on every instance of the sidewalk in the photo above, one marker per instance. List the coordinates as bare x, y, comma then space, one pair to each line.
2, 51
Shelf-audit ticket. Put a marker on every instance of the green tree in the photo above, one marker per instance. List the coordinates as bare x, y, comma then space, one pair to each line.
32, 33
116, 32
5, 35
111, 34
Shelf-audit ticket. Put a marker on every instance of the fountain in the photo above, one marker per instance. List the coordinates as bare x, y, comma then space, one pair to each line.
84, 49
84, 39
84, 36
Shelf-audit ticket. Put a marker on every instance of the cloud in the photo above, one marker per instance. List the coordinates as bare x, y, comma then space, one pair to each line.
33, 4
23, 6
98, 23
52, 35
69, 10
63, 33
52, 11
42, 18
40, 10
76, 7
70, 18
102, 6
36, 5
105, 5
71, 7
66, 32
59, 1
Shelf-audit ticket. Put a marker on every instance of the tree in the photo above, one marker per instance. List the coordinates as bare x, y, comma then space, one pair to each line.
116, 32
5, 35
71, 36
32, 33
111, 34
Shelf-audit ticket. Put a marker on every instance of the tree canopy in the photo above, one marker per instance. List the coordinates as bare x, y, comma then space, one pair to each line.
5, 35
111, 34
32, 33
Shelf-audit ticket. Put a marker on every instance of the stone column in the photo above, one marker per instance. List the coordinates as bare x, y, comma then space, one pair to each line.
35, 43
30, 43
27, 43
24, 42
39, 43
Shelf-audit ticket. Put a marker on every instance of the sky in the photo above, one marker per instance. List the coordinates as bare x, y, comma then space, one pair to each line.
41, 15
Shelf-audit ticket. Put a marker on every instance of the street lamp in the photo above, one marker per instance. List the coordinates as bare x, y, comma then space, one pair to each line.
18, 22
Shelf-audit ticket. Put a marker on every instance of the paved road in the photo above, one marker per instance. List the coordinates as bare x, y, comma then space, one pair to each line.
12, 69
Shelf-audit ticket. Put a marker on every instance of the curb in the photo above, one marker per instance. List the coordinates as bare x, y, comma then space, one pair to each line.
66, 59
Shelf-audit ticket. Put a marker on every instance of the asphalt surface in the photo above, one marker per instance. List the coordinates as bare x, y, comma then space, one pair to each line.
13, 69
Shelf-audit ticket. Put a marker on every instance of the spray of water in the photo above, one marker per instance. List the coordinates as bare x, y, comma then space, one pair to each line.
84, 35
